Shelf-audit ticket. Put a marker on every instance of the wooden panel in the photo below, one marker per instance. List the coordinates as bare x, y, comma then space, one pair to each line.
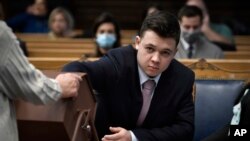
242, 40
50, 63
57, 63
237, 55
205, 69
59, 52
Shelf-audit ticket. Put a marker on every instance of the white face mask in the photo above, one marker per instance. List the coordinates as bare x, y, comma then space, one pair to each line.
105, 40
191, 37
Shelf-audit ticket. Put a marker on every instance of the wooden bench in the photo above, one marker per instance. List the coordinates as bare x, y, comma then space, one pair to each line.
237, 55
57, 63
59, 52
29, 37
221, 69
226, 64
242, 40
51, 63
243, 48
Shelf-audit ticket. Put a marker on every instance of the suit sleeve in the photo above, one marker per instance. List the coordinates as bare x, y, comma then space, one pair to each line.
100, 72
183, 126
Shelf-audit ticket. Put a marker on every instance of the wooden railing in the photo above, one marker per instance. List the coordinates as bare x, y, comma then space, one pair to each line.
40, 45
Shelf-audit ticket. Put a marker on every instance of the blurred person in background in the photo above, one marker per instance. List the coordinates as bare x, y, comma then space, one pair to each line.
106, 32
218, 33
61, 23
33, 20
22, 43
193, 44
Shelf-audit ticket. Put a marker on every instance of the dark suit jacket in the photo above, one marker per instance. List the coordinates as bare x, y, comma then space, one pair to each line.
115, 77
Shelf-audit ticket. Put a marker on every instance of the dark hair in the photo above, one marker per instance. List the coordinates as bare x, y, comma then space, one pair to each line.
190, 11
106, 17
163, 24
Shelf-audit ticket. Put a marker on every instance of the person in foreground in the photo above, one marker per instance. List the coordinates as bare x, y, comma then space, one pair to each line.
144, 93
20, 80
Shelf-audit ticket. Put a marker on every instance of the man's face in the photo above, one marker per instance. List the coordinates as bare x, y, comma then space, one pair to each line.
40, 8
155, 53
190, 24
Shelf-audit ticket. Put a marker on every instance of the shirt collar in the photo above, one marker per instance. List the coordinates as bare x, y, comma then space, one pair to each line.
143, 77
184, 44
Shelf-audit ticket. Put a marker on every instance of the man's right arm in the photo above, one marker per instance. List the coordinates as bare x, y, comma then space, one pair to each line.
20, 79
100, 72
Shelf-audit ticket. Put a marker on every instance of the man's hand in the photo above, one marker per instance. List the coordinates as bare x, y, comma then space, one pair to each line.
69, 84
206, 24
120, 134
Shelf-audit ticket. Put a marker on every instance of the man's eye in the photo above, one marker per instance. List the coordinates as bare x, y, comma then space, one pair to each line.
166, 53
149, 49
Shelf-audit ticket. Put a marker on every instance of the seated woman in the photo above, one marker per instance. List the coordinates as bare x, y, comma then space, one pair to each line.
106, 32
60, 23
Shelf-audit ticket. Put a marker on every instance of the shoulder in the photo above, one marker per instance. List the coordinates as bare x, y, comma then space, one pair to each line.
6, 34
127, 53
206, 44
122, 51
3, 26
123, 58
179, 70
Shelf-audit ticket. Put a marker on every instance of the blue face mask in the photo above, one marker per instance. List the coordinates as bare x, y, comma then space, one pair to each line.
105, 40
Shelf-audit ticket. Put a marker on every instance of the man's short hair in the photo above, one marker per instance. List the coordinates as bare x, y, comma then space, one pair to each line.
190, 11
164, 24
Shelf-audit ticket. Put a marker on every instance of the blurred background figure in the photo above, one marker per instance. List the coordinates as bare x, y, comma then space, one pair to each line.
218, 33
61, 23
21, 43
192, 42
106, 32
153, 8
33, 20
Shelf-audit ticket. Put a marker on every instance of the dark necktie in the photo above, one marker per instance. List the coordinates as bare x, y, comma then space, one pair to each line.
190, 51
147, 89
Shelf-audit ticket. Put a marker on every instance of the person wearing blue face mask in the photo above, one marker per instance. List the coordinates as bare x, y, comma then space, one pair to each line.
106, 33
193, 44
105, 40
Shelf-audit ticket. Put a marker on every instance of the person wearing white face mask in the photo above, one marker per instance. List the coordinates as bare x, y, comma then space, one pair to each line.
193, 43
106, 33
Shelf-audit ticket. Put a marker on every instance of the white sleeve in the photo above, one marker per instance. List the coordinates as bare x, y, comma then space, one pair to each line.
19, 78
133, 136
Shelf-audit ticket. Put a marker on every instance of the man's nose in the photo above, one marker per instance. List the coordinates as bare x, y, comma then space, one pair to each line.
156, 57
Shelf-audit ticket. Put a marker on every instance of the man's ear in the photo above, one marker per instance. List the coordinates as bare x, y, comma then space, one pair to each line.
137, 42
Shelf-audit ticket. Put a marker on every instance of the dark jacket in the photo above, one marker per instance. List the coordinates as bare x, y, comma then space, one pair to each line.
115, 77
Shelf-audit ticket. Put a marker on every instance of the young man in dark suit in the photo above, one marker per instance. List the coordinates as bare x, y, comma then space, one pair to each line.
121, 79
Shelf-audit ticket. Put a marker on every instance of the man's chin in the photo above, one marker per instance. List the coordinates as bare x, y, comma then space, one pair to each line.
152, 74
